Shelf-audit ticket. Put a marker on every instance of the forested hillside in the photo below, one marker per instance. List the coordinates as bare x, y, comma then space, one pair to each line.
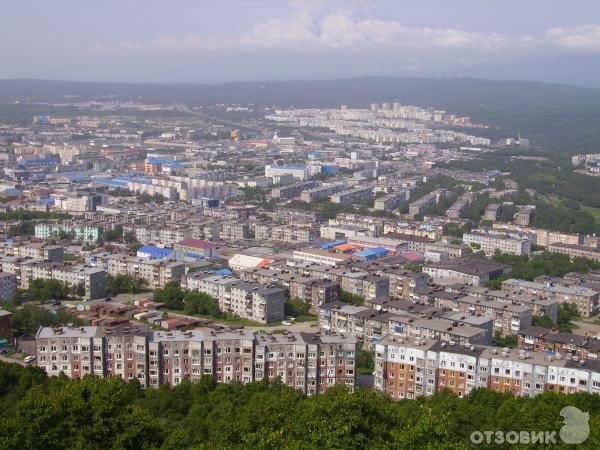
42, 413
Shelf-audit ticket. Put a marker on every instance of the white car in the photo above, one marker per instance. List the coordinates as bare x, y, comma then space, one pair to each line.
286, 322
29, 359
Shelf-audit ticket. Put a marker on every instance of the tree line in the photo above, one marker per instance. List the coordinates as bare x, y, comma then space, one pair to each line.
57, 413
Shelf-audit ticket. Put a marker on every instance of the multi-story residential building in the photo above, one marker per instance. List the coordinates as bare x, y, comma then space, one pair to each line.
33, 250
404, 282
539, 306
124, 353
575, 251
313, 255
298, 172
473, 272
508, 319
252, 301
84, 233
371, 325
460, 206
308, 362
492, 212
523, 215
73, 351
8, 286
586, 300
166, 236
92, 280
367, 286
391, 201
195, 248
561, 344
313, 290
154, 272
491, 243
317, 193
285, 233
235, 231
409, 368
291, 191
421, 204
350, 196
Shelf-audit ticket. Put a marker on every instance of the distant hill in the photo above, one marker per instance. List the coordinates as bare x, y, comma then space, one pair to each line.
439, 92
558, 117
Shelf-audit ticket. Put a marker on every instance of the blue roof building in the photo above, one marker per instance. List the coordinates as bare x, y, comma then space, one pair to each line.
330, 245
153, 252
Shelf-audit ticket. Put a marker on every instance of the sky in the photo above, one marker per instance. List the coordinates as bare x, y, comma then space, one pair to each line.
212, 41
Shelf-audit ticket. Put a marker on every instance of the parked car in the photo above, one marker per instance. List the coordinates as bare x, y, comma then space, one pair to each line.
286, 322
29, 359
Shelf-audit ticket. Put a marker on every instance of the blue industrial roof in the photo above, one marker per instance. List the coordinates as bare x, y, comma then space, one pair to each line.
155, 252
372, 252
165, 162
222, 272
331, 245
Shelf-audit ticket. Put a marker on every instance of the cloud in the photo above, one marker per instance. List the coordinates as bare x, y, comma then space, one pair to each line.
585, 38
310, 31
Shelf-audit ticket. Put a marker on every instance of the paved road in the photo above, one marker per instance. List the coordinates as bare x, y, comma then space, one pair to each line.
8, 359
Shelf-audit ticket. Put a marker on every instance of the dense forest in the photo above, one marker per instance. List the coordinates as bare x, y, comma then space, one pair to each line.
57, 413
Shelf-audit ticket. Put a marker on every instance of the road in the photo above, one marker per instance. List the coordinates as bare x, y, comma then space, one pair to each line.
8, 359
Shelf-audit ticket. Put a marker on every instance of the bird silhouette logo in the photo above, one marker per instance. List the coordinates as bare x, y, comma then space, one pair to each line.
575, 429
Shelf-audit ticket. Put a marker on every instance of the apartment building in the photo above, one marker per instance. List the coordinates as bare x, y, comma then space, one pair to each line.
410, 368
575, 251
391, 201
76, 232
425, 202
367, 286
195, 248
350, 196
318, 193
508, 319
313, 255
33, 250
26, 270
73, 351
313, 290
251, 301
586, 300
284, 233
372, 325
404, 282
492, 212
539, 306
460, 206
524, 215
154, 272
292, 191
308, 362
538, 339
124, 353
472, 272
298, 172
491, 243
8, 286
165, 236
235, 231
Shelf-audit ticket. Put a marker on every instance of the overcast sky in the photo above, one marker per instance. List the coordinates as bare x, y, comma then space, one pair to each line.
227, 40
